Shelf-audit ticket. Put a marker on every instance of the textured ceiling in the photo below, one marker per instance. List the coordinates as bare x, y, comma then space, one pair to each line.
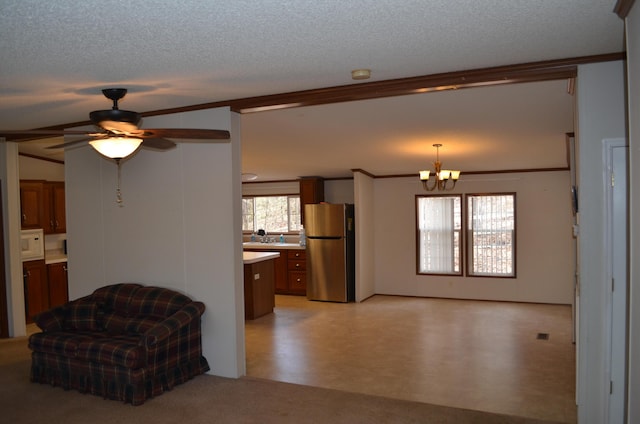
56, 56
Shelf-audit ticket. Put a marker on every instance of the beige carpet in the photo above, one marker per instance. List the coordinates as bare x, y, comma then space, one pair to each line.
210, 399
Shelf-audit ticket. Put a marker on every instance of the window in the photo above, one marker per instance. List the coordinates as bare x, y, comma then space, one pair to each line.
274, 214
439, 234
491, 236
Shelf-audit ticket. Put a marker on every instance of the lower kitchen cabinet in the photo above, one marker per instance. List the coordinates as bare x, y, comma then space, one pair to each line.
45, 286
36, 288
58, 284
289, 271
296, 272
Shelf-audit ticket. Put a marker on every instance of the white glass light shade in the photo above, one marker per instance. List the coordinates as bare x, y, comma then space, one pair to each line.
444, 174
455, 175
116, 147
424, 175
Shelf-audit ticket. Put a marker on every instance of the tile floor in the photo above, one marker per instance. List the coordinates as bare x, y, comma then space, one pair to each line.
468, 354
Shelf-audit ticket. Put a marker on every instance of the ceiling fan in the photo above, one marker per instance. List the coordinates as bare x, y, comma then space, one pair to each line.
120, 136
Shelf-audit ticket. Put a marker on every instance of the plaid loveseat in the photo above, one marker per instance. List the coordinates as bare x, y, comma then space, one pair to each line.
126, 342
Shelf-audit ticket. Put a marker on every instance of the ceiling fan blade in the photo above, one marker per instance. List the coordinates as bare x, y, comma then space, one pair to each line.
23, 135
191, 133
158, 143
74, 142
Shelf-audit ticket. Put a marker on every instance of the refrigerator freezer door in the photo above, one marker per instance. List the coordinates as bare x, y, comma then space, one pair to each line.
324, 220
326, 274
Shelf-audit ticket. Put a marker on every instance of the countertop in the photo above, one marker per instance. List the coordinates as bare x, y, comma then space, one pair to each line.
253, 257
271, 246
54, 256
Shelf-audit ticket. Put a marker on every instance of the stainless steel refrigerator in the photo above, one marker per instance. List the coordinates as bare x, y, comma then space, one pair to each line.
330, 230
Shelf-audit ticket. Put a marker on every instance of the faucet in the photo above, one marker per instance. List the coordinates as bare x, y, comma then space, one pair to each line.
264, 237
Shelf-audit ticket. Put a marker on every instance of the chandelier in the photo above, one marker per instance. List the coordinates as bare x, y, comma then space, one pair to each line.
445, 179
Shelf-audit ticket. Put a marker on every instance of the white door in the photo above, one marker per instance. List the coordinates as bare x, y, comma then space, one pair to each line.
616, 154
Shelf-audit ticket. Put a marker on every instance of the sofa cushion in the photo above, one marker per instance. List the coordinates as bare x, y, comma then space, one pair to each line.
82, 315
156, 302
121, 351
140, 325
116, 297
62, 343
114, 323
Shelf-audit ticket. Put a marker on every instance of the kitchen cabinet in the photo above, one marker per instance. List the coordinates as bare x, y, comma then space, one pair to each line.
31, 204
296, 272
42, 204
290, 276
311, 191
36, 288
54, 215
58, 284
45, 286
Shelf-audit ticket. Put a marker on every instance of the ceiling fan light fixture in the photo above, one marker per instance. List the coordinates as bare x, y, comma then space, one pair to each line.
116, 147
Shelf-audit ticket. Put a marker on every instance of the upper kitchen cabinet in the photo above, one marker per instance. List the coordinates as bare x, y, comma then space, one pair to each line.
42, 205
311, 191
31, 204
54, 208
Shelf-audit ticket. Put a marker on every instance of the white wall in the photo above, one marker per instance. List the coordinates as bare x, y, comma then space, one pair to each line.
38, 169
365, 236
339, 191
633, 87
179, 227
545, 252
601, 115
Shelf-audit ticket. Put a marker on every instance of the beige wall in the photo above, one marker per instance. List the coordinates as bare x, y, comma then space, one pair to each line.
386, 237
545, 253
36, 169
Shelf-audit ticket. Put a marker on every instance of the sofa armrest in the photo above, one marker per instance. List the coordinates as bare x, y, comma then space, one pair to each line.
51, 319
185, 316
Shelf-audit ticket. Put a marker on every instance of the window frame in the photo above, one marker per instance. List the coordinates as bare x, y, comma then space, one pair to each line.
461, 236
469, 239
289, 196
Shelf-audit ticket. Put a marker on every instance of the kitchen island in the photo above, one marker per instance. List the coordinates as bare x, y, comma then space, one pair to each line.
290, 267
259, 285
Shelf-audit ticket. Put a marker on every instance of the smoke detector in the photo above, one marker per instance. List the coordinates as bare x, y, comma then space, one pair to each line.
361, 74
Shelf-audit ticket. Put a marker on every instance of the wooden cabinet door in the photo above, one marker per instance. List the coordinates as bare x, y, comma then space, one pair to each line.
298, 282
31, 204
280, 272
59, 207
55, 219
58, 284
311, 191
36, 288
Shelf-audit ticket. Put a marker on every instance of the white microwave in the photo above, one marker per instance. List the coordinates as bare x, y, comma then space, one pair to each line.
32, 244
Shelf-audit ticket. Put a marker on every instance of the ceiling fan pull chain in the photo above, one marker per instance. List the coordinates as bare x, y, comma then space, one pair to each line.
118, 192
